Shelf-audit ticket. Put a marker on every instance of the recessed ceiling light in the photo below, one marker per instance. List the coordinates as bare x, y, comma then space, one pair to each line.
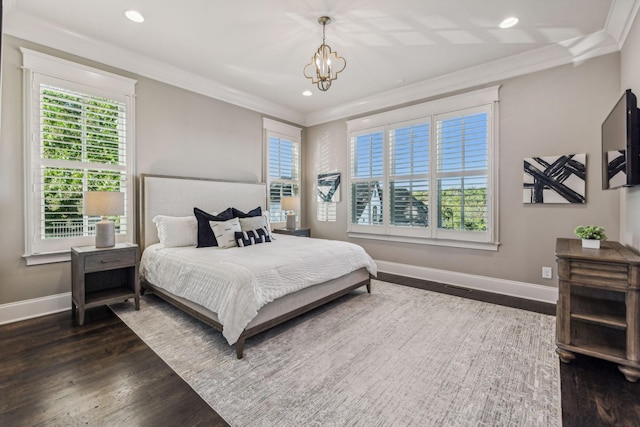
134, 15
509, 22
307, 93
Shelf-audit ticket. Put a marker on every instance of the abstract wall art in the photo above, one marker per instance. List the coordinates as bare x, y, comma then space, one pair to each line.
555, 179
329, 187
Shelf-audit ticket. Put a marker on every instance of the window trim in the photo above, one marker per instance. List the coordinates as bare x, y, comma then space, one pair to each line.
482, 97
39, 66
288, 132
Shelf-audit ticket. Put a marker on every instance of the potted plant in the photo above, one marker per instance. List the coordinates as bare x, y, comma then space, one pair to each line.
591, 235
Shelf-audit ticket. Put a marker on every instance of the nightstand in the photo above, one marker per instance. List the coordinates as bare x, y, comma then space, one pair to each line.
301, 232
102, 276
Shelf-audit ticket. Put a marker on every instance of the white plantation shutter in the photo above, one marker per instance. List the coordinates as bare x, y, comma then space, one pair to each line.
409, 175
425, 173
462, 170
282, 169
80, 138
284, 175
367, 173
83, 148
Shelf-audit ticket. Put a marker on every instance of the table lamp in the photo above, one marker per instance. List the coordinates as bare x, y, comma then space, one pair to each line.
291, 204
104, 204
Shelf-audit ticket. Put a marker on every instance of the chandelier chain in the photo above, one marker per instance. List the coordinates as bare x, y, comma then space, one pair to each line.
324, 25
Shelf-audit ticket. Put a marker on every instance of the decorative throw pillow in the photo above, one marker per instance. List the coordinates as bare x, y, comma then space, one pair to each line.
252, 237
253, 223
237, 213
256, 222
225, 232
176, 231
205, 234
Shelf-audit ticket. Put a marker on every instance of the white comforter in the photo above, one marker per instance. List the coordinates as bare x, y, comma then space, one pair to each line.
236, 282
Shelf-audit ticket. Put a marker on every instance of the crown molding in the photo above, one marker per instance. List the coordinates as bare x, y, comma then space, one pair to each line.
621, 16
573, 51
619, 20
33, 29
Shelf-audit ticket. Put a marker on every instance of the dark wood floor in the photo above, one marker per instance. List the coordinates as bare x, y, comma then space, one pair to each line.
55, 373
595, 393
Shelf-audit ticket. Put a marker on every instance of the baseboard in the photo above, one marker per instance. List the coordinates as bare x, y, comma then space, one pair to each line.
36, 307
501, 291
28, 309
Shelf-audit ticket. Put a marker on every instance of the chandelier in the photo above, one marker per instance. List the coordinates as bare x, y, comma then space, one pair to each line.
325, 64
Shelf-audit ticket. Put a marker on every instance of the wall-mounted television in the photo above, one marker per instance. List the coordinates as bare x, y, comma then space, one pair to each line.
621, 144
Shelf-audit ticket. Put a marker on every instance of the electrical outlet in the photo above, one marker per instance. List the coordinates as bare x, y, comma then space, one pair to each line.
547, 273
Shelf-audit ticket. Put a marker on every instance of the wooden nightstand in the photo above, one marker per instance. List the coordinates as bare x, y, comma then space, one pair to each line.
301, 232
103, 275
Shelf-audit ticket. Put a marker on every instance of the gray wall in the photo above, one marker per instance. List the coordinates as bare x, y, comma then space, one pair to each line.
630, 79
178, 133
186, 134
552, 112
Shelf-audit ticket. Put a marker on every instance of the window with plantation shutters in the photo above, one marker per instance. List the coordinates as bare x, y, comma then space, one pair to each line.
463, 175
79, 139
409, 175
425, 173
282, 166
367, 172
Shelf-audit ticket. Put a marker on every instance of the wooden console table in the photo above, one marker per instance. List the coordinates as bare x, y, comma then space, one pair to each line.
598, 310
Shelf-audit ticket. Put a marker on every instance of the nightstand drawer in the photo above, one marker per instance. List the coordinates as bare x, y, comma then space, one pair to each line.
108, 261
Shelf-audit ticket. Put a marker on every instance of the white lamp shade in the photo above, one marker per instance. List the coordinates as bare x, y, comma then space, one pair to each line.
291, 203
103, 203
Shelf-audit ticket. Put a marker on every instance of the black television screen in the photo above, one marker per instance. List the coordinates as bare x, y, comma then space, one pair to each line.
621, 144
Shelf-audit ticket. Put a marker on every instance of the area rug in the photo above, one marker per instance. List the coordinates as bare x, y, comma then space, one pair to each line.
399, 356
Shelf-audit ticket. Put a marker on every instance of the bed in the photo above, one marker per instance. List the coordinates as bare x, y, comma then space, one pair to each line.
261, 285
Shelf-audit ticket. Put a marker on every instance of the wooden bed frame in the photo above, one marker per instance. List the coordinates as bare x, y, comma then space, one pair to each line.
177, 196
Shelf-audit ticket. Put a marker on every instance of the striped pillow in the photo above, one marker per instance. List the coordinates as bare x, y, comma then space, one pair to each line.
252, 237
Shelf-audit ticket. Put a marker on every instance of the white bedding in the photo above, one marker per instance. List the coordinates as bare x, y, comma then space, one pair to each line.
236, 282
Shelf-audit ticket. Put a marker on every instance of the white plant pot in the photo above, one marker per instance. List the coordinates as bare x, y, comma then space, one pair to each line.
591, 243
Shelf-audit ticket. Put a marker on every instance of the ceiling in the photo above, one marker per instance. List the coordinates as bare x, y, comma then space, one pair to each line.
252, 52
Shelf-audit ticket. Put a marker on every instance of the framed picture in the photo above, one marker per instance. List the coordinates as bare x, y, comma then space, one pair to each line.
329, 187
555, 179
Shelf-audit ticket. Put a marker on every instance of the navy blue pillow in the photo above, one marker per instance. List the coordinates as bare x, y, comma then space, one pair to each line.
205, 233
237, 213
251, 237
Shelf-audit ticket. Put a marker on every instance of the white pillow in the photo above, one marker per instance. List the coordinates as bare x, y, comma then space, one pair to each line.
175, 231
255, 223
225, 232
265, 215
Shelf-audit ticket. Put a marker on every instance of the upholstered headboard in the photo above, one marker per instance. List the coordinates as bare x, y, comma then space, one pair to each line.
177, 196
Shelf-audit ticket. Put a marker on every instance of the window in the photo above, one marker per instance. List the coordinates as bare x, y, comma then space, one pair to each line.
282, 148
79, 138
424, 174
463, 157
